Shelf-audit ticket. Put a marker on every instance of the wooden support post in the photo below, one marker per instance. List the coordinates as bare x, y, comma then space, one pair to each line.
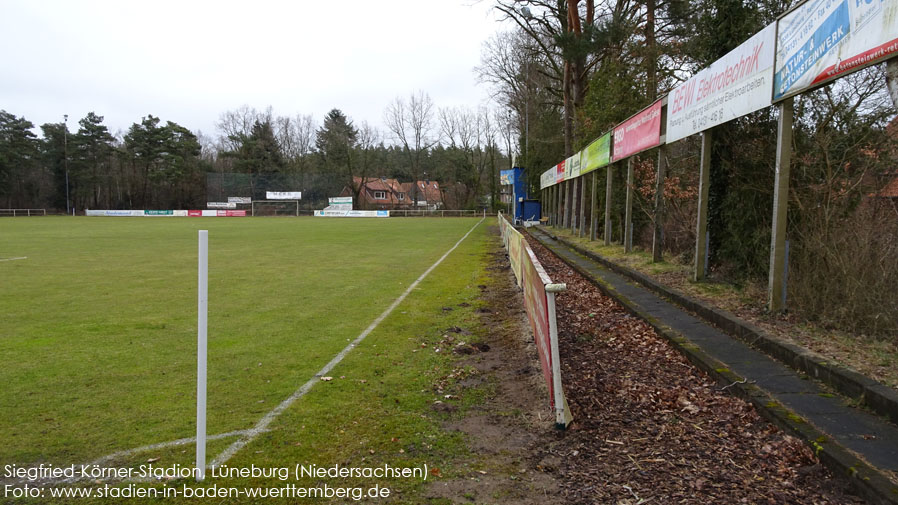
574, 200
701, 225
582, 206
659, 204
594, 214
558, 202
628, 213
550, 213
776, 283
570, 204
554, 190
566, 222
564, 202
608, 180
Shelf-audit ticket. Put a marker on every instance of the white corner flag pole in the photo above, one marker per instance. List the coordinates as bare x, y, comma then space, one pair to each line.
202, 312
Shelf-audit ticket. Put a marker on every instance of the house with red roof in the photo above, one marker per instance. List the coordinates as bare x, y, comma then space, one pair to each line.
382, 193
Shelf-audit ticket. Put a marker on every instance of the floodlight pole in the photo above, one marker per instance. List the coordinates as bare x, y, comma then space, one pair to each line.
202, 312
65, 158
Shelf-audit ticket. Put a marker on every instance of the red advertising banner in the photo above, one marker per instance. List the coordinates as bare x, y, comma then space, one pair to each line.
515, 244
539, 304
537, 309
559, 171
231, 213
194, 213
640, 132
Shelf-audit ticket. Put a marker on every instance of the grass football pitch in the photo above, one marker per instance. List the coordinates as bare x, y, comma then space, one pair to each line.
98, 335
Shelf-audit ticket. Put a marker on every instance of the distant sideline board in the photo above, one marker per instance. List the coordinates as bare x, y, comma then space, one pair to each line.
166, 213
352, 213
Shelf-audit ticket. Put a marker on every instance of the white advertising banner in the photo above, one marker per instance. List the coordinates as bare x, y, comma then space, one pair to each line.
221, 205
111, 213
821, 40
283, 195
339, 203
547, 178
572, 167
210, 213
733, 86
240, 199
352, 213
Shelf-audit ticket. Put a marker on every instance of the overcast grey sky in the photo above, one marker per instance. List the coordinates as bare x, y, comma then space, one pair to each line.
188, 61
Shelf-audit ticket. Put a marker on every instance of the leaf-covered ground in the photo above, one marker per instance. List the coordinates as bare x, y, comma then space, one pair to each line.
873, 357
650, 428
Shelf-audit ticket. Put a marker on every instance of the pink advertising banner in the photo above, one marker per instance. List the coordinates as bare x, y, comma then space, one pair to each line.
536, 306
640, 132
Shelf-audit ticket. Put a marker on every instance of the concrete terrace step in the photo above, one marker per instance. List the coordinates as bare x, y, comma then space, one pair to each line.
852, 442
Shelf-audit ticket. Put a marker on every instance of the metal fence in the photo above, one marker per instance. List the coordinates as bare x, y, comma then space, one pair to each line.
23, 212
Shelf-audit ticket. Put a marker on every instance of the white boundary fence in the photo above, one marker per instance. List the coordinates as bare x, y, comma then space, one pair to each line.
23, 212
539, 303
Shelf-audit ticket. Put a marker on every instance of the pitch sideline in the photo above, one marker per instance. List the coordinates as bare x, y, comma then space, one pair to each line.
262, 426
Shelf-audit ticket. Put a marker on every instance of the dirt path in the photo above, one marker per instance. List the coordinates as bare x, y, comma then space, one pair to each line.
511, 431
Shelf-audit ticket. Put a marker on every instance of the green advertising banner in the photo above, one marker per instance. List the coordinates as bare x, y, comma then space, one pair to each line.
159, 213
596, 155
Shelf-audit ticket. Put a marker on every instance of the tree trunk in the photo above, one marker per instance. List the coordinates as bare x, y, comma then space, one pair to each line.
568, 113
651, 72
892, 80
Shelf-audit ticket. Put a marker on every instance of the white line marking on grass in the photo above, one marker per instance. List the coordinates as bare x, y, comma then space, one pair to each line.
263, 423
14, 259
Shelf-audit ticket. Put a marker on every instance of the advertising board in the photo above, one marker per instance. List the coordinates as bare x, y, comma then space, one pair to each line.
352, 213
821, 40
547, 178
572, 167
535, 305
733, 86
642, 131
506, 177
596, 155
283, 195
109, 213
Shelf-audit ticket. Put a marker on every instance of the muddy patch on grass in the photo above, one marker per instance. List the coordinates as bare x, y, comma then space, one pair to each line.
510, 432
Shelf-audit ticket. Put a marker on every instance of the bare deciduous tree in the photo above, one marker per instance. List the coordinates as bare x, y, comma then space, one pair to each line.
412, 126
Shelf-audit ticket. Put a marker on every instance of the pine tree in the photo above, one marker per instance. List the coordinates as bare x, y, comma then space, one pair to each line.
18, 160
92, 146
335, 141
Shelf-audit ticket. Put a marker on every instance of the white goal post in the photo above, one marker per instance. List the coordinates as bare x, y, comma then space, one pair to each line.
275, 208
